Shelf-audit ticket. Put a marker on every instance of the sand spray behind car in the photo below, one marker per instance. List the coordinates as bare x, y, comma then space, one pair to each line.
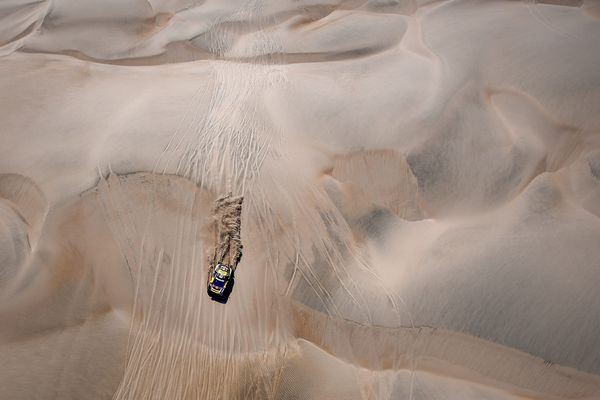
228, 244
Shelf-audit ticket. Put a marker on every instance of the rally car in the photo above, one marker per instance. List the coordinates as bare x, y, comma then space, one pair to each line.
220, 281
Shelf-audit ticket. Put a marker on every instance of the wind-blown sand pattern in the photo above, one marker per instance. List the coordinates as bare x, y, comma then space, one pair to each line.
421, 185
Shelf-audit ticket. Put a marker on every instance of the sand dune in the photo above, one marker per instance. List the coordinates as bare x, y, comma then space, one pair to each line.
421, 185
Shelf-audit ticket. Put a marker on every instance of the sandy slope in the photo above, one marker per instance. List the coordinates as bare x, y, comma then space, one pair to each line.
421, 213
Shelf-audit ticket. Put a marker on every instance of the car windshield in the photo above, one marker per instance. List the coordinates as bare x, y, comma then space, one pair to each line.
218, 283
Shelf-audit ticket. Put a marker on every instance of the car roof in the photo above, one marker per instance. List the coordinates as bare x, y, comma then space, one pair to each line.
222, 268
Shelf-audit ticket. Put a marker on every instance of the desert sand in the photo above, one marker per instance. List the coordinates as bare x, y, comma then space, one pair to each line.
421, 183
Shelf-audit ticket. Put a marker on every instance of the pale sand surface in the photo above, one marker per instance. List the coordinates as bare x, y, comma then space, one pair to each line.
422, 199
